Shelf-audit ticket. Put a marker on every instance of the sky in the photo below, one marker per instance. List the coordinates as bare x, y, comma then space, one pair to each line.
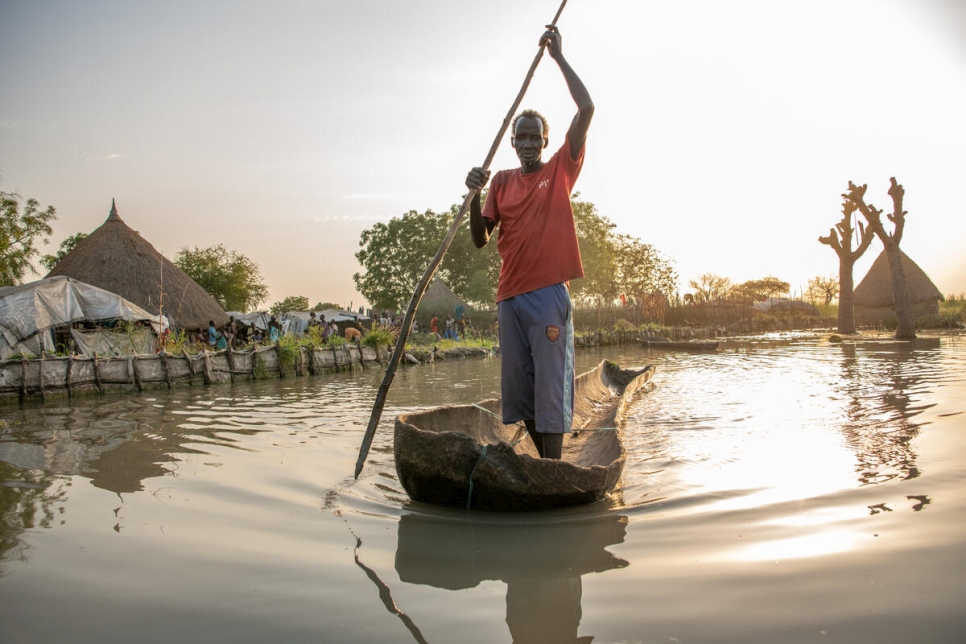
724, 132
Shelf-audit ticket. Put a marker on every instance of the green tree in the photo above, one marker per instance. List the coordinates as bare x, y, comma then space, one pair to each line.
51, 261
641, 269
290, 303
598, 252
20, 235
322, 306
395, 255
472, 273
228, 276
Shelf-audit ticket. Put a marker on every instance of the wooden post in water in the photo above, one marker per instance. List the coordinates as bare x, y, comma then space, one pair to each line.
278, 351
97, 375
40, 375
191, 369
23, 377
434, 264
70, 365
164, 367
207, 371
132, 365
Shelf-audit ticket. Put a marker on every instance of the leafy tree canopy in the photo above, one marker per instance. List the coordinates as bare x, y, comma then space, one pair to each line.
395, 254
291, 303
20, 235
642, 270
322, 306
228, 276
51, 261
598, 252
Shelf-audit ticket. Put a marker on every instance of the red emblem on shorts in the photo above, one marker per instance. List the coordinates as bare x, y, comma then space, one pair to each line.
553, 332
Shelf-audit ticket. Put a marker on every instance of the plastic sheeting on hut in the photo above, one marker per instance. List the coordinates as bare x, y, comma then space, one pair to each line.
298, 321
258, 319
30, 313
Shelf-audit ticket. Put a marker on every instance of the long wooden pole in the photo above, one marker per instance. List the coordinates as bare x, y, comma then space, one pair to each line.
434, 264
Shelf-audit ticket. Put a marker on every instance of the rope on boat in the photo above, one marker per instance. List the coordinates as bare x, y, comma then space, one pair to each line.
469, 494
482, 408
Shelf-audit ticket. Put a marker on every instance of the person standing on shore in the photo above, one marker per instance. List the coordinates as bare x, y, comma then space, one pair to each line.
540, 255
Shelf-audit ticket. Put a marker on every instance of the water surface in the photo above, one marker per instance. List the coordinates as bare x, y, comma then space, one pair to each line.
782, 490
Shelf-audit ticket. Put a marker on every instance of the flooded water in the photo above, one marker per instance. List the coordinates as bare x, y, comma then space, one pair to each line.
782, 490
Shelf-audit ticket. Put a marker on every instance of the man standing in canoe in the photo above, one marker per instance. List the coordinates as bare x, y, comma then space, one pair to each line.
539, 253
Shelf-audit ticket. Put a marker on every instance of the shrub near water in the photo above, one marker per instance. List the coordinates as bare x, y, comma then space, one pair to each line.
378, 337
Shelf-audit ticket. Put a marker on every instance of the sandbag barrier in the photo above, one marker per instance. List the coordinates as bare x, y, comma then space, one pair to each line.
39, 379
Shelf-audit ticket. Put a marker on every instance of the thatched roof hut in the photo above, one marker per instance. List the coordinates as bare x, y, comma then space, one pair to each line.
440, 298
116, 258
873, 299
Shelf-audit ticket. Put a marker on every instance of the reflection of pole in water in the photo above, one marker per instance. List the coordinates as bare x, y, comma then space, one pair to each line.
386, 595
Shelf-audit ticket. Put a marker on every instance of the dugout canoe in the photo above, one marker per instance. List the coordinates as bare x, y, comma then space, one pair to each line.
465, 456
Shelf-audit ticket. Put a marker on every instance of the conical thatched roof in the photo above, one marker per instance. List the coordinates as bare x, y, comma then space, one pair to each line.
440, 298
875, 289
116, 258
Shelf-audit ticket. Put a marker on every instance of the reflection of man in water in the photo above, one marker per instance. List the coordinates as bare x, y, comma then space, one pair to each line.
544, 610
540, 562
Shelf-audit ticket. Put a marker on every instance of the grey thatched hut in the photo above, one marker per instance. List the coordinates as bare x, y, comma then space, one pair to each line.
440, 298
873, 299
116, 258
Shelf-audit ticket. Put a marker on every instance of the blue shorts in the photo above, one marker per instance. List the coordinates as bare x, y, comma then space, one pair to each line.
537, 354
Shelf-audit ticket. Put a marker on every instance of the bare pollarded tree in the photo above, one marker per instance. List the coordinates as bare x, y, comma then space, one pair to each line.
840, 239
905, 323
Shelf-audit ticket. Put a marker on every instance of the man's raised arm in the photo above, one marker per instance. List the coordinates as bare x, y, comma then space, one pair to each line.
577, 133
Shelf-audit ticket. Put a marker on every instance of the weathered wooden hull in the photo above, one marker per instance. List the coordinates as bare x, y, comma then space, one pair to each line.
465, 456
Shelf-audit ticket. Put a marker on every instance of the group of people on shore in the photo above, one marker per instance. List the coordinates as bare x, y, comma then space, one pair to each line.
229, 334
326, 329
452, 328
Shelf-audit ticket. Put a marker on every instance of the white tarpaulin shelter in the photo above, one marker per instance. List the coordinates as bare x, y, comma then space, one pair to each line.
258, 319
298, 321
29, 313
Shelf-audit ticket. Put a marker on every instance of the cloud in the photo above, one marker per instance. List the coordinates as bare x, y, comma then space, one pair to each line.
8, 125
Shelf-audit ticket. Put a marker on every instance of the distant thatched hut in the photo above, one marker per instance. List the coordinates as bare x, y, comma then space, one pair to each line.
440, 299
116, 258
873, 298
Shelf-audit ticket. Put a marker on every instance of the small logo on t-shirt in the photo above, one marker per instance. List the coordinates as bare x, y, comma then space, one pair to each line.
553, 332
543, 184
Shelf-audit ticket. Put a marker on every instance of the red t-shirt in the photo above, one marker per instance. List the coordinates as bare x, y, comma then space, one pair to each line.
537, 240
